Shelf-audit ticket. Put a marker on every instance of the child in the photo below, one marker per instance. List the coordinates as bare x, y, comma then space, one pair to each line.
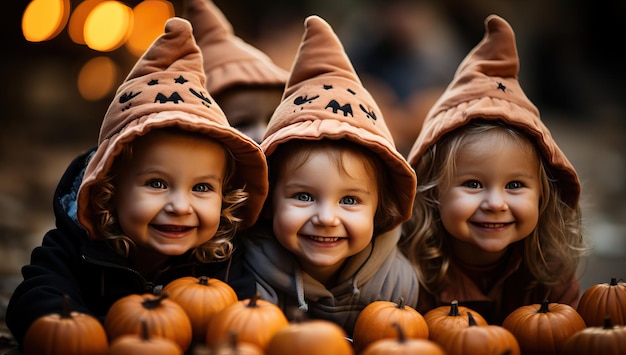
338, 189
243, 80
496, 221
160, 198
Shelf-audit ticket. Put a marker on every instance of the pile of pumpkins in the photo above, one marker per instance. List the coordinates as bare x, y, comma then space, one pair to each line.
203, 316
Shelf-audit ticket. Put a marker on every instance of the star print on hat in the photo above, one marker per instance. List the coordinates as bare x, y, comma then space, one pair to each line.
228, 60
324, 99
166, 88
486, 86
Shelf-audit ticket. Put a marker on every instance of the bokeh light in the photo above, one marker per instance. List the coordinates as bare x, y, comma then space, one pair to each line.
108, 26
76, 26
45, 19
149, 22
97, 78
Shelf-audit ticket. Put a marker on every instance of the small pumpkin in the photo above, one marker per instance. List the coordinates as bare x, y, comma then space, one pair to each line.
375, 322
310, 337
237, 347
443, 318
254, 320
402, 345
606, 340
143, 344
65, 333
201, 298
165, 318
543, 328
479, 339
601, 300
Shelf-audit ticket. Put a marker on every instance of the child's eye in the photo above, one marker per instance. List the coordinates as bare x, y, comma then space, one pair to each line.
204, 187
473, 184
156, 184
349, 200
303, 196
514, 185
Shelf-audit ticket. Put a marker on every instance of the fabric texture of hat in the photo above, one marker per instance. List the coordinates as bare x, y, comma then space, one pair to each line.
166, 88
228, 60
486, 86
324, 98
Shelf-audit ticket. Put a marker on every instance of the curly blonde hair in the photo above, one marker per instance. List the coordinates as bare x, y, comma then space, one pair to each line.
219, 247
552, 251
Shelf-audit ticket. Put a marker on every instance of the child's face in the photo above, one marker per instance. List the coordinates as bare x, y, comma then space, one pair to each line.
493, 198
249, 109
169, 195
324, 213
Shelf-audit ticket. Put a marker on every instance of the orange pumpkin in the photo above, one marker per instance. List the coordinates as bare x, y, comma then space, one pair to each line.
254, 320
479, 339
236, 347
66, 333
444, 318
543, 328
601, 300
165, 318
375, 322
310, 337
605, 340
402, 345
201, 298
143, 344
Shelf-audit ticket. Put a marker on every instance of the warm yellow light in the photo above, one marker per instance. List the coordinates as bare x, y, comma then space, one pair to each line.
108, 26
149, 22
76, 25
44, 19
97, 78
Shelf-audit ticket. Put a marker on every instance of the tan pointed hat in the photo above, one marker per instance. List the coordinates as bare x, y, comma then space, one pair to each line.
166, 88
486, 86
229, 60
324, 98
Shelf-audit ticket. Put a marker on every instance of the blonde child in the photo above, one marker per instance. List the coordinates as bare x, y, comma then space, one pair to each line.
160, 197
496, 222
244, 81
327, 239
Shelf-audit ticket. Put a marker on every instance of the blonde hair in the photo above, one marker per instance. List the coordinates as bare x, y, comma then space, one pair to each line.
551, 252
219, 247
388, 209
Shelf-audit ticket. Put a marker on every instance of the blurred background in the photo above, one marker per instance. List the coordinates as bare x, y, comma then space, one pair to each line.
405, 51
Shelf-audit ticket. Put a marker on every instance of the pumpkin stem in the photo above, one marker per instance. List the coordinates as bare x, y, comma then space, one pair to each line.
454, 309
203, 280
152, 303
613, 281
253, 299
607, 323
65, 307
544, 307
401, 335
470, 319
401, 303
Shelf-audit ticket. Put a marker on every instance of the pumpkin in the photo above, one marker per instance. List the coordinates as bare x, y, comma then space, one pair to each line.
165, 318
479, 339
543, 328
143, 344
254, 320
376, 321
443, 318
601, 300
401, 345
606, 340
310, 337
201, 298
65, 333
237, 347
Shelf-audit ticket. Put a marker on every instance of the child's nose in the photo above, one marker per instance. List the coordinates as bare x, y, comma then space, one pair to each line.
495, 200
326, 215
178, 203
